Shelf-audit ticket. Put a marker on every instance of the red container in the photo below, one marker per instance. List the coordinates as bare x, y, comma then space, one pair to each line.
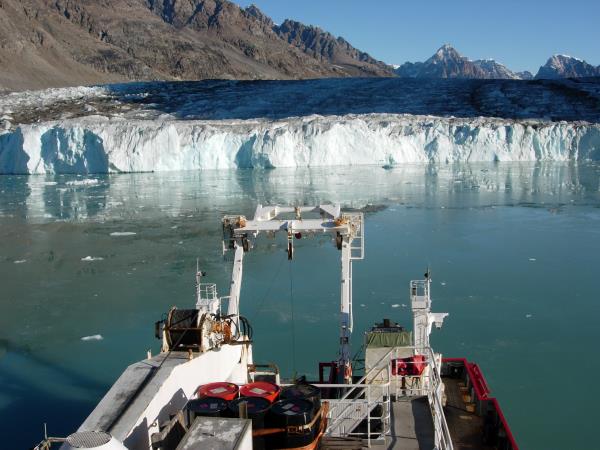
226, 391
418, 365
399, 367
261, 389
414, 365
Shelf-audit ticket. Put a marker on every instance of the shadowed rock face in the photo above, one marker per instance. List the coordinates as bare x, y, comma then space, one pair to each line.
325, 47
47, 43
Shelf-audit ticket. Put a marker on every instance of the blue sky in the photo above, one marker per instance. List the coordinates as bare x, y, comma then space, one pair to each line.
520, 34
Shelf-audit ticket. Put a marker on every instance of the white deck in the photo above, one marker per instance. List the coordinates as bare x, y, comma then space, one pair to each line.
411, 425
148, 392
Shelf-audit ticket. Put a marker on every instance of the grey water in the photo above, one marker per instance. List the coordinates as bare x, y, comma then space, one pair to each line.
513, 247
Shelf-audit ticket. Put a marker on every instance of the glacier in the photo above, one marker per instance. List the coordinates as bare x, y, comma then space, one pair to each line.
146, 127
100, 145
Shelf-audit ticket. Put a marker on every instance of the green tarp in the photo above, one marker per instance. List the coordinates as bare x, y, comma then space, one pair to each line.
393, 339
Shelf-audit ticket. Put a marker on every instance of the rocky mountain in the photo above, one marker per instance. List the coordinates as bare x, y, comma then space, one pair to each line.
495, 70
563, 66
448, 63
325, 47
46, 43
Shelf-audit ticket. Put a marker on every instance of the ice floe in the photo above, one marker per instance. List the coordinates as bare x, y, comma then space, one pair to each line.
93, 337
92, 258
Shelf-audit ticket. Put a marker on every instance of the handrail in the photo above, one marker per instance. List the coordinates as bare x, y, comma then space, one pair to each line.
366, 388
431, 386
363, 386
482, 392
339, 413
442, 435
362, 380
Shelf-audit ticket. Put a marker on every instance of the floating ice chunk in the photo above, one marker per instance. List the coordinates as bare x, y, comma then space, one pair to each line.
532, 259
86, 182
92, 258
50, 183
528, 316
20, 261
443, 283
93, 337
123, 233
362, 305
395, 305
404, 305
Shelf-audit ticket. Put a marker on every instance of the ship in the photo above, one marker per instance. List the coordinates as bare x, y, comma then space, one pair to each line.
204, 390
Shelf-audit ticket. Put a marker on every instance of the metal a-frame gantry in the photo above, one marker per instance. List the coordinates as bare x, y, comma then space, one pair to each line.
347, 230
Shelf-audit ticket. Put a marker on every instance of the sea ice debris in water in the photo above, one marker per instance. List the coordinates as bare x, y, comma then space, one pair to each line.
87, 182
92, 258
395, 305
20, 261
528, 316
123, 233
93, 337
532, 259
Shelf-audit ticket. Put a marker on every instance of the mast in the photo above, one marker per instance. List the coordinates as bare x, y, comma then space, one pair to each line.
236, 281
344, 362
423, 318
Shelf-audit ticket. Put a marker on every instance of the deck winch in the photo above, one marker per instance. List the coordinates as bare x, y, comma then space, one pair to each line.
191, 329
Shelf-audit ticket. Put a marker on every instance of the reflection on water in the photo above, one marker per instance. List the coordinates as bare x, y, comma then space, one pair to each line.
103, 197
513, 249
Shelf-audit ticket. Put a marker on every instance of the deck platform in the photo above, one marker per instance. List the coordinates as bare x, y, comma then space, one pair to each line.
411, 425
466, 427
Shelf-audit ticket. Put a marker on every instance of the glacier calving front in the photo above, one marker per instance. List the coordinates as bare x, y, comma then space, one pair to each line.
98, 144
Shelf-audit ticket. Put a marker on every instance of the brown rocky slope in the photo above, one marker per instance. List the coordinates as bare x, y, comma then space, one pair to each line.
45, 43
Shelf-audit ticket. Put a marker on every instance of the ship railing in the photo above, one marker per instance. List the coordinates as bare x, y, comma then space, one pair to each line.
207, 291
363, 401
429, 384
419, 293
366, 416
357, 247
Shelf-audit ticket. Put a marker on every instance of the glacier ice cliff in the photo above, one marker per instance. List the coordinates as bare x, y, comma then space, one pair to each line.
216, 124
98, 144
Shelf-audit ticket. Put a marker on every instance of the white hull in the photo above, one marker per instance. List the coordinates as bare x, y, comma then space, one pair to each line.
166, 393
